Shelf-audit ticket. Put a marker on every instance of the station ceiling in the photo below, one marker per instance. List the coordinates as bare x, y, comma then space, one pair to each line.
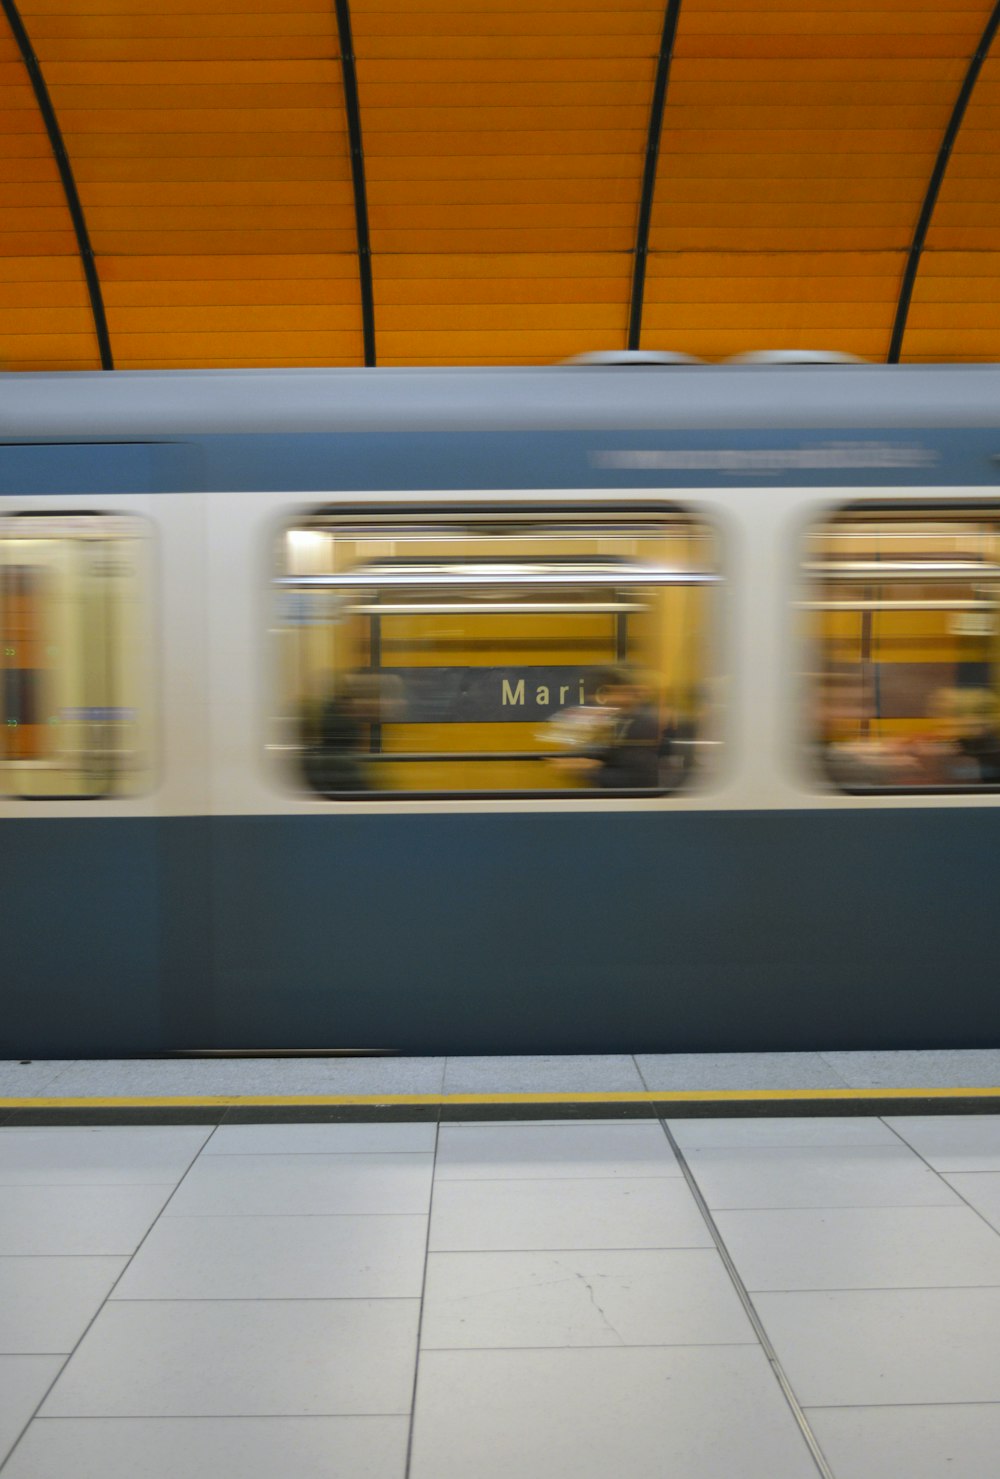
339, 182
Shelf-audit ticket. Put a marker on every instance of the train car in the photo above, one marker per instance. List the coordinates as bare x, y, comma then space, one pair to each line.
561, 709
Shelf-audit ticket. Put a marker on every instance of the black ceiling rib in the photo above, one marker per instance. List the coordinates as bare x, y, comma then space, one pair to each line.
935, 182
66, 176
352, 107
670, 18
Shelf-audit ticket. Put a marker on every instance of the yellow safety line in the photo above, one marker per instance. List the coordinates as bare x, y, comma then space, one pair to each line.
654, 1096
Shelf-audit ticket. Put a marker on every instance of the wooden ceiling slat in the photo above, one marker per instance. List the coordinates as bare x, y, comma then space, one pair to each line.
347, 359
200, 171
833, 20
956, 316
177, 74
406, 143
500, 238
470, 73
58, 294
490, 317
889, 44
318, 294
21, 321
437, 293
164, 50
598, 215
764, 317
234, 345
555, 165
482, 346
558, 44
242, 122
240, 219
602, 193
462, 101
180, 8
222, 267
497, 265
219, 196
322, 143
421, 22
140, 242
305, 103
242, 318
56, 267
93, 29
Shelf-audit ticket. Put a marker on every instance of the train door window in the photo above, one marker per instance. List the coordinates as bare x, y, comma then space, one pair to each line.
76, 710
901, 609
495, 652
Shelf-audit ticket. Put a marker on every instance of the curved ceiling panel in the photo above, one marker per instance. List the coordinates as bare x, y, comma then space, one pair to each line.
798, 141
46, 321
209, 146
504, 145
231, 168
955, 310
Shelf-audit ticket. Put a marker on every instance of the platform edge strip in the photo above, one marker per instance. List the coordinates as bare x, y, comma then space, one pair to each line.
652, 1096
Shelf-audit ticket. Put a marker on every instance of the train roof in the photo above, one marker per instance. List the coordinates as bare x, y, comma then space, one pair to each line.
171, 403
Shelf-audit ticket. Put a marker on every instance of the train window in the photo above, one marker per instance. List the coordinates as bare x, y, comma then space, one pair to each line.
75, 646
902, 613
487, 652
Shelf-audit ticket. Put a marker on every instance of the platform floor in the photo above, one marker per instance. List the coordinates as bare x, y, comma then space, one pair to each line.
608, 1084
765, 1296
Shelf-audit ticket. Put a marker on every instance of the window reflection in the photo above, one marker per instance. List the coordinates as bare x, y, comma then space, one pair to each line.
495, 653
900, 609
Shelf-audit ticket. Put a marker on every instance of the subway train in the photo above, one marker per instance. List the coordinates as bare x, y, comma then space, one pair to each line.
584, 708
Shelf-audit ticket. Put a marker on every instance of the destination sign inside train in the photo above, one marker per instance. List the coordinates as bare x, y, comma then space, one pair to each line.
505, 695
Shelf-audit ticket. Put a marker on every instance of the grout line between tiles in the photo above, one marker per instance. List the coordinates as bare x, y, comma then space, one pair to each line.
420, 1314
812, 1442
941, 1177
802, 1422
45, 1395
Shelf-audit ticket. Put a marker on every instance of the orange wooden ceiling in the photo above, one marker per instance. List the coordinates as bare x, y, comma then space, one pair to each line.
504, 146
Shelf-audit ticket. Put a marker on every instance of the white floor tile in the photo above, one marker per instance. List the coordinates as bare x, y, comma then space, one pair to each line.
77, 1219
816, 1176
322, 1139
782, 1130
212, 1448
643, 1297
953, 1142
885, 1346
347, 1257
654, 1212
255, 1185
24, 1381
47, 1303
551, 1151
982, 1191
134, 1155
688, 1413
960, 1442
861, 1248
234, 1359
